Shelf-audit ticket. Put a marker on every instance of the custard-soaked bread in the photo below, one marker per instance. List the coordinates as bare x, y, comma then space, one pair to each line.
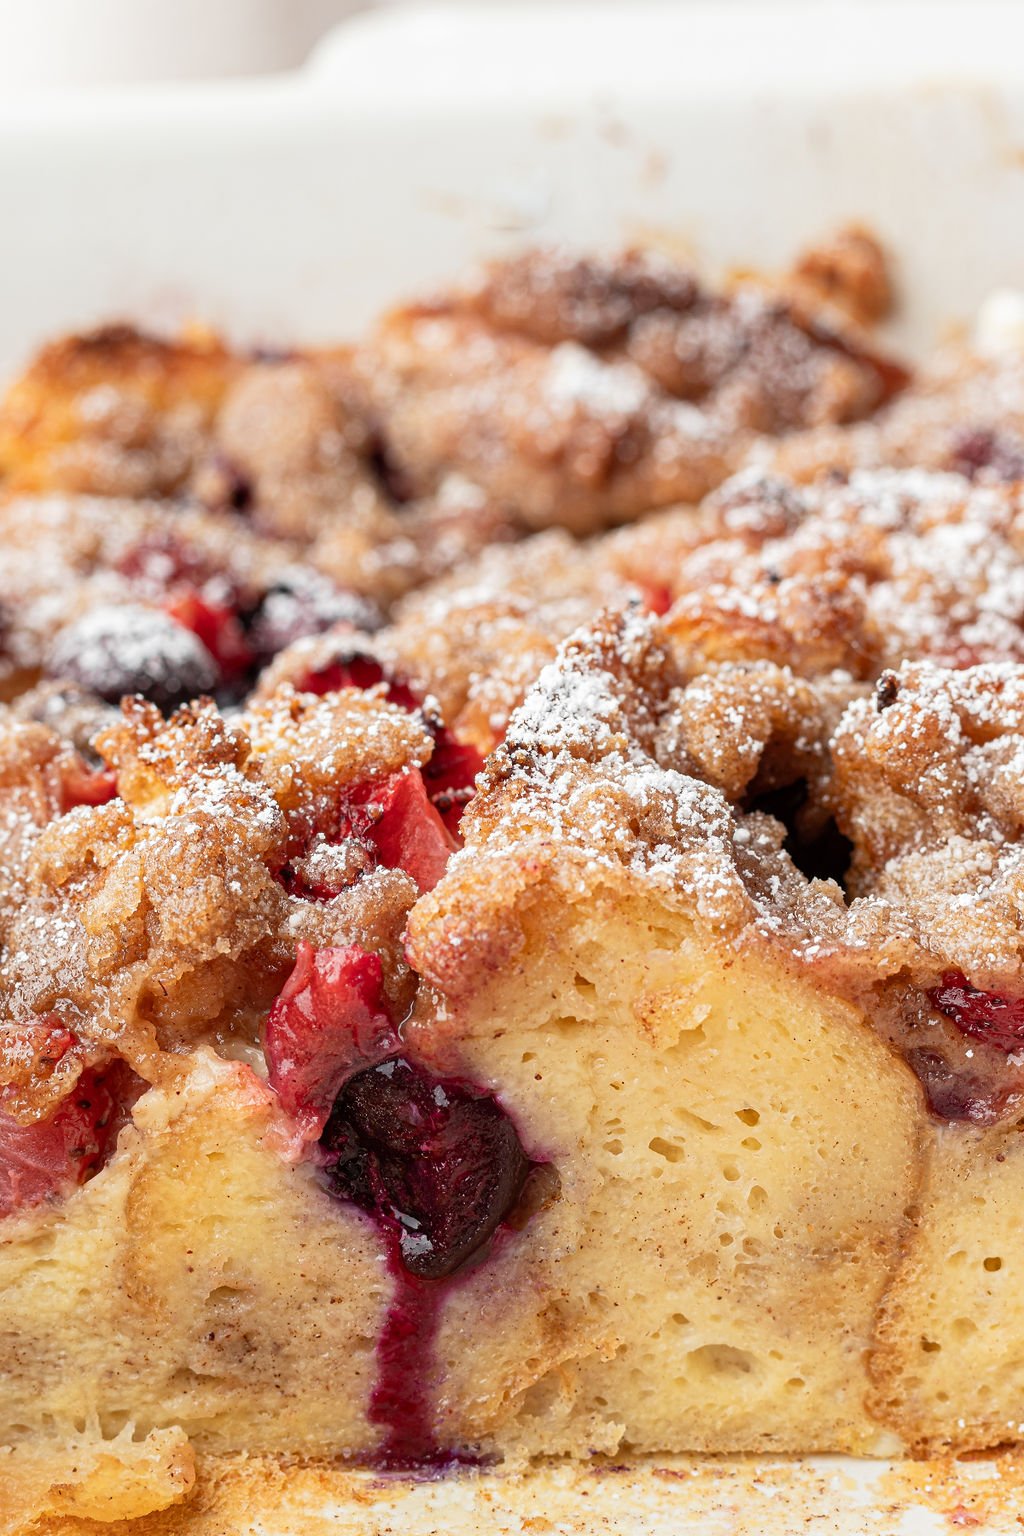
728, 1065
574, 1006
669, 1150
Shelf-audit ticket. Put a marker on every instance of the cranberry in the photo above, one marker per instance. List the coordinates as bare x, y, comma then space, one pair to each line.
404, 829
329, 1020
303, 602
435, 1161
46, 1159
657, 597
133, 650
82, 785
953, 1094
161, 560
987, 1016
397, 827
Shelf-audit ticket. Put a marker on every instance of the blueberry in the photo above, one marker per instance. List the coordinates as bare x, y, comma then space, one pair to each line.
303, 602
113, 651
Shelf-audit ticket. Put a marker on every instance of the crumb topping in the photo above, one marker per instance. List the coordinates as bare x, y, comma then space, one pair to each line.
582, 391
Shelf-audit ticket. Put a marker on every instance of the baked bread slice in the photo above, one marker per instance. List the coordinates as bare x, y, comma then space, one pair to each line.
757, 1259
550, 389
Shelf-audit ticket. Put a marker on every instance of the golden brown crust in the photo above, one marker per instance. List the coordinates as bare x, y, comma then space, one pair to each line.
113, 413
287, 442
584, 392
847, 269
621, 754
473, 642
858, 574
964, 411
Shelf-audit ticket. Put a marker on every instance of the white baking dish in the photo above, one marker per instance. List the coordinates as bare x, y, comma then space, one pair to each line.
294, 207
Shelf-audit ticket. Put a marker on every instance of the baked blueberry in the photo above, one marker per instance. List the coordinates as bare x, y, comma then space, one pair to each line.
114, 651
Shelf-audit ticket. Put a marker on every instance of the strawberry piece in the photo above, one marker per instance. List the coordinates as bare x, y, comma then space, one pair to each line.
657, 598
45, 1160
453, 765
450, 777
986, 1016
358, 669
82, 785
329, 1020
32, 1048
403, 828
217, 626
394, 821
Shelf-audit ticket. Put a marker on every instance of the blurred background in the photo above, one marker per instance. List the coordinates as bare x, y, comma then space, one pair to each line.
62, 44
68, 43
284, 169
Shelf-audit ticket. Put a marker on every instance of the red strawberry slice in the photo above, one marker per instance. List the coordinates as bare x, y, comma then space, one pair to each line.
219, 628
450, 777
46, 1160
454, 764
329, 1021
398, 828
657, 598
987, 1016
400, 824
358, 669
82, 785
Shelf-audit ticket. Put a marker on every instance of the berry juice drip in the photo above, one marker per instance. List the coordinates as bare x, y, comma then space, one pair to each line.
401, 1401
439, 1166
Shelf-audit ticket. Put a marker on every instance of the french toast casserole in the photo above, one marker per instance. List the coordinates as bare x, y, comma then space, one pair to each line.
511, 886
